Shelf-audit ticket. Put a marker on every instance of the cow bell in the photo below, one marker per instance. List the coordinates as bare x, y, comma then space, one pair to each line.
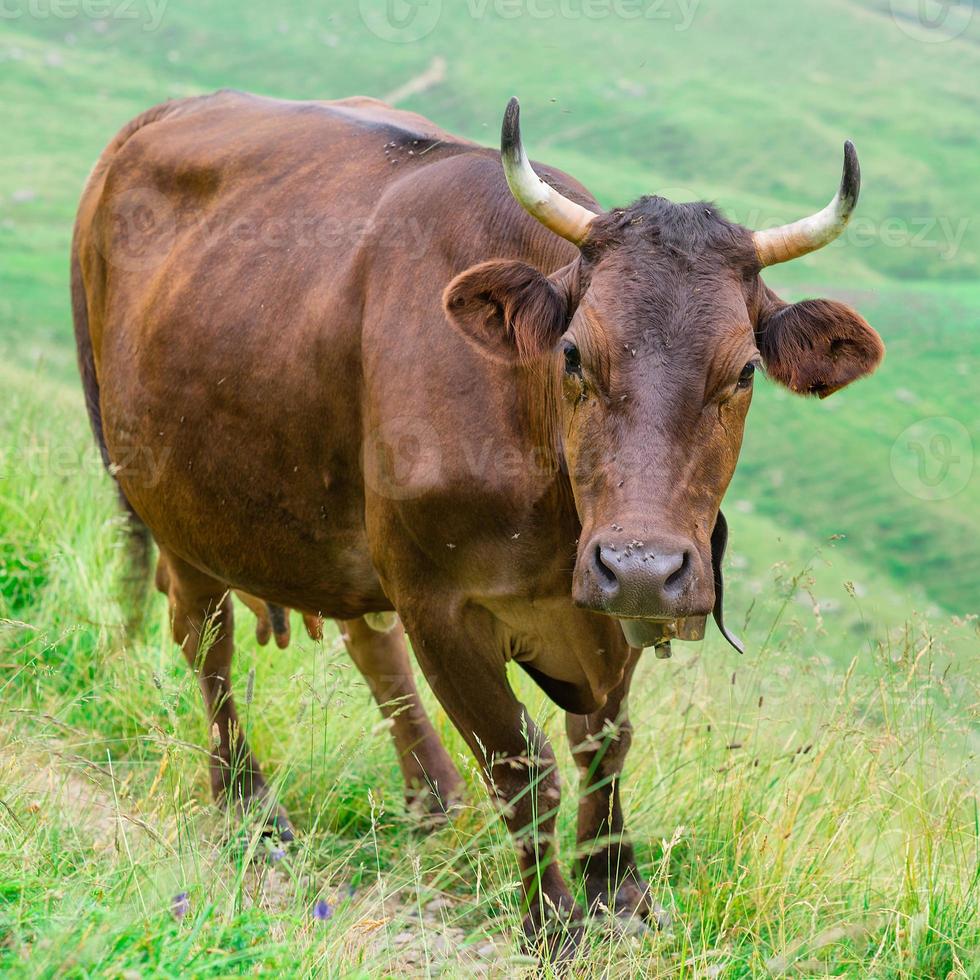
641, 633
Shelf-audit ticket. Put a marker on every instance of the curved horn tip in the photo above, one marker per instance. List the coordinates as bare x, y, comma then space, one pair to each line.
808, 234
539, 198
510, 131
850, 185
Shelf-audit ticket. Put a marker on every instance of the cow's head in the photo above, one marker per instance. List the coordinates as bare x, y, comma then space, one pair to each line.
651, 339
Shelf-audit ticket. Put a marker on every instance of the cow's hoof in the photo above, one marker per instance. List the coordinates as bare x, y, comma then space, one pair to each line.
279, 827
429, 806
556, 941
258, 811
633, 906
424, 819
429, 810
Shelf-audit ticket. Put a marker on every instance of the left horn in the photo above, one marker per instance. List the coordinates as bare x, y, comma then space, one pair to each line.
541, 200
808, 234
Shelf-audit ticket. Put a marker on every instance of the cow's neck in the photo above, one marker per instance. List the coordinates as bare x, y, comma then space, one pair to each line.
554, 502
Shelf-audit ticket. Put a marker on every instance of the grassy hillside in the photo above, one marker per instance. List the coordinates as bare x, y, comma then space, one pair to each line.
807, 810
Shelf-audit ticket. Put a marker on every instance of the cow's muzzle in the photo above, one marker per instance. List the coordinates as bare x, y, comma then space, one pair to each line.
657, 589
643, 577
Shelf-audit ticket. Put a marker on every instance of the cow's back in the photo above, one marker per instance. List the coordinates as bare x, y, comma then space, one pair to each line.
233, 183
215, 256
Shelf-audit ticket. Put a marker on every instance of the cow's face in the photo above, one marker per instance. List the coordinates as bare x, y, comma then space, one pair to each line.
656, 368
646, 350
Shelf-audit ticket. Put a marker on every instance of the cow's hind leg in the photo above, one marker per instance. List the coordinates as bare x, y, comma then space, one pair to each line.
431, 780
606, 861
203, 627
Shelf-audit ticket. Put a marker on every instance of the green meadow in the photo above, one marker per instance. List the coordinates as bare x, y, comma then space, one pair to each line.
809, 809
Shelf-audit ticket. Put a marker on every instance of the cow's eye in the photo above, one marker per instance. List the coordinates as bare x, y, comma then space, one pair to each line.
745, 378
573, 360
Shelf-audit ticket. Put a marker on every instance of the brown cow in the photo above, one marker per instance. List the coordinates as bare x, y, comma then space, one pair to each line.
336, 363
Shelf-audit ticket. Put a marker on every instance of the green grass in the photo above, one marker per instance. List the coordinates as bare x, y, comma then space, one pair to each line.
840, 838
812, 805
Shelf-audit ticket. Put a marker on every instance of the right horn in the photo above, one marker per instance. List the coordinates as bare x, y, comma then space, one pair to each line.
541, 200
808, 234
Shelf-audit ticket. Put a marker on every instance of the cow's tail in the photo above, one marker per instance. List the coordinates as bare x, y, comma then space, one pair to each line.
139, 545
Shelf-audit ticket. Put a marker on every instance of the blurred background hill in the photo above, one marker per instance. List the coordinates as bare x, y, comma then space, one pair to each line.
746, 106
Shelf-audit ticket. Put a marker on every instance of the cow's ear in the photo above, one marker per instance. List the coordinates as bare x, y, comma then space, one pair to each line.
817, 346
509, 309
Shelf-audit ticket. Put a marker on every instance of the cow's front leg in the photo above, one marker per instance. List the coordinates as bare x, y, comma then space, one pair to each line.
464, 662
606, 861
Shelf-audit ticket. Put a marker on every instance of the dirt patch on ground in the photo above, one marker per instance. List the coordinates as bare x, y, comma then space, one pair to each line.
80, 791
393, 930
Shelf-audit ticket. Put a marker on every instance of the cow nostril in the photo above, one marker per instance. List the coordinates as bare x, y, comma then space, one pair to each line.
676, 578
603, 571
